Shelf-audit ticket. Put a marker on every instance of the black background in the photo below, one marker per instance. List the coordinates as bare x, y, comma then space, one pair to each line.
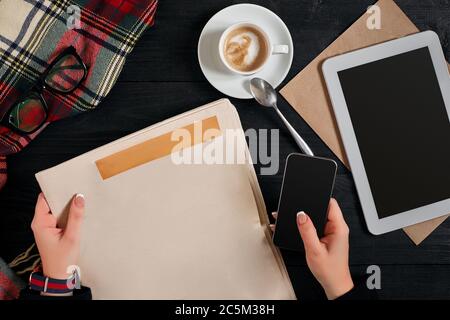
162, 78
400, 122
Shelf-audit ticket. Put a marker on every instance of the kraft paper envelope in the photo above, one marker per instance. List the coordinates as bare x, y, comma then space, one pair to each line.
154, 229
307, 92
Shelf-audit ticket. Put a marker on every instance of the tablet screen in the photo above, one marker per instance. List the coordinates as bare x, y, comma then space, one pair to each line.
402, 128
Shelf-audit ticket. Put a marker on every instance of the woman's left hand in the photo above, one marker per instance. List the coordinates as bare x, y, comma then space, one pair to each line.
59, 248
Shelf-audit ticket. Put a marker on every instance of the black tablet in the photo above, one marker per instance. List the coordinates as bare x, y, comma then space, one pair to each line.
392, 105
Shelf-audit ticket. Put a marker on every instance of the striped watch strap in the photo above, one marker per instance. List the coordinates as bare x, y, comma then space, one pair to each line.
42, 283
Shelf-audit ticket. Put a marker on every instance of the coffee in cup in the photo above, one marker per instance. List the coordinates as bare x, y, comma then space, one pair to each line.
245, 48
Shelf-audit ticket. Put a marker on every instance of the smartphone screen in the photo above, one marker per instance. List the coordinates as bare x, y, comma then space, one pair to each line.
307, 186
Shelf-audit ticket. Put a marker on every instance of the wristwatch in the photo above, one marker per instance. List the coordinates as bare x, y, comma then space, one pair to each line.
41, 283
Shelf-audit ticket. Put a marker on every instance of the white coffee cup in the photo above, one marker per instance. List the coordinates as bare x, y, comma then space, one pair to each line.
271, 49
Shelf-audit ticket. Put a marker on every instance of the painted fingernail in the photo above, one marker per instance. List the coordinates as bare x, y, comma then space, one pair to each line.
79, 200
302, 217
274, 214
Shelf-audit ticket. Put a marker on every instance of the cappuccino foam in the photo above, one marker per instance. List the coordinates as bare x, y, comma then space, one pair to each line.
245, 49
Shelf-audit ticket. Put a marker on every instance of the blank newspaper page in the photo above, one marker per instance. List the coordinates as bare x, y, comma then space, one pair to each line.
169, 230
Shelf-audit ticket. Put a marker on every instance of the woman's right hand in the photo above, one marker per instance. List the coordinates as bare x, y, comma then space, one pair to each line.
327, 258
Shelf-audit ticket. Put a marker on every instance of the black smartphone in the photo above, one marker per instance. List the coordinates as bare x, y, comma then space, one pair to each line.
307, 186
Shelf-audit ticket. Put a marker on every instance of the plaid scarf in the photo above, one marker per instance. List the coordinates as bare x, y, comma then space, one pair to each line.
10, 283
34, 32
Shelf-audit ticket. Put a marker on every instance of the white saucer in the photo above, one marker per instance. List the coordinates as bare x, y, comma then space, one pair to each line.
222, 79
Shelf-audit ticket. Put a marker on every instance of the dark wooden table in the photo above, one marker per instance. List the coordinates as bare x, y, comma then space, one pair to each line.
162, 78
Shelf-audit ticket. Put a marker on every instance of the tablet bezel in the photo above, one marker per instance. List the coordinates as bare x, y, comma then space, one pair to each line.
330, 69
